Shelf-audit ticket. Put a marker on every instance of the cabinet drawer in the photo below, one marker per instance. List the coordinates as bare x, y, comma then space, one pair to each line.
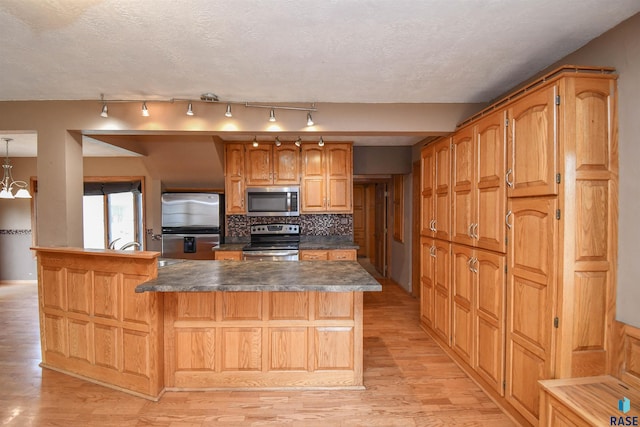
342, 255
314, 255
227, 255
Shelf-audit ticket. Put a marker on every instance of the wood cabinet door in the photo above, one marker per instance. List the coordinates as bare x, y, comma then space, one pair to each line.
532, 145
259, 165
442, 292
313, 186
227, 255
339, 161
442, 205
427, 166
462, 307
531, 281
427, 279
286, 165
463, 201
489, 317
490, 187
234, 179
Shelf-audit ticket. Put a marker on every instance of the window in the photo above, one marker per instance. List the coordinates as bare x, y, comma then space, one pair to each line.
112, 214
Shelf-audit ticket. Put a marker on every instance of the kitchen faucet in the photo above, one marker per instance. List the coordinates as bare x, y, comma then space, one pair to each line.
128, 245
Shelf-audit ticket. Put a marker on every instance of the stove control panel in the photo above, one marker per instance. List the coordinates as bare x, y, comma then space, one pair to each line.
275, 229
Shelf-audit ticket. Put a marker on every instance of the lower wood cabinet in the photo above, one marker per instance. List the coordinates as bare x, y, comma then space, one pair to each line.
227, 255
478, 281
531, 282
436, 291
328, 255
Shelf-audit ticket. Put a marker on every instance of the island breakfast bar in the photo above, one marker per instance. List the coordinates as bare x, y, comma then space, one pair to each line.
114, 318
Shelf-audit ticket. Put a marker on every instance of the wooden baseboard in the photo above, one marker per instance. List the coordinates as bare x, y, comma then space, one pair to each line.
18, 282
104, 384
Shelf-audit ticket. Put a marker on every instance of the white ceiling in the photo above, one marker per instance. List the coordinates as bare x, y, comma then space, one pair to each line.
361, 51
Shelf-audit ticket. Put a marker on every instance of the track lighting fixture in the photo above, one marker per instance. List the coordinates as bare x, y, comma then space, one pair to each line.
277, 142
321, 142
298, 142
211, 98
255, 142
105, 111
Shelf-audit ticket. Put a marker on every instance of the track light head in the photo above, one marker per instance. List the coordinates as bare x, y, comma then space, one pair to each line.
228, 112
105, 111
278, 142
255, 142
145, 111
190, 110
272, 115
309, 119
321, 142
298, 142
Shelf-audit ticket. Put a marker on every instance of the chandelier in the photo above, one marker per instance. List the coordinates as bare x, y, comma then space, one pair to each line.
7, 183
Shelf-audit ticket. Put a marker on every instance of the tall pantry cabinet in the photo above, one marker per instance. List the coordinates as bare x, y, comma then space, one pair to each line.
552, 221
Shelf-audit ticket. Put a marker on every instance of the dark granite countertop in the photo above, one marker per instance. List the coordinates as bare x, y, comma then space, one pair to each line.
248, 276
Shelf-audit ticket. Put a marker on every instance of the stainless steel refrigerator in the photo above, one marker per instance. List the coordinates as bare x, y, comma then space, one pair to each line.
192, 224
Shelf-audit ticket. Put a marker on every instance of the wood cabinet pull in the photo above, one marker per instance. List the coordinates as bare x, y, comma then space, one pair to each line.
474, 260
506, 178
506, 220
474, 231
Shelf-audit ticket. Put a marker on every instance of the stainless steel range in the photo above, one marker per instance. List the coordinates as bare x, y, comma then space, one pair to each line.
273, 242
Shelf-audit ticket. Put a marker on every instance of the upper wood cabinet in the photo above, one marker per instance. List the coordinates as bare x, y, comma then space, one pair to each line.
272, 165
327, 178
478, 197
532, 144
436, 178
234, 178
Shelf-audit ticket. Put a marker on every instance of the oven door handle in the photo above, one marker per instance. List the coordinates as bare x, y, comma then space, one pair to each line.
257, 254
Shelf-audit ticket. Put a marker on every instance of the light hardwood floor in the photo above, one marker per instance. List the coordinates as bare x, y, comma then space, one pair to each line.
409, 382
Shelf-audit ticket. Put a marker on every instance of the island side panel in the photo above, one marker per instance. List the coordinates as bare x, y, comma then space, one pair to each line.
92, 323
263, 340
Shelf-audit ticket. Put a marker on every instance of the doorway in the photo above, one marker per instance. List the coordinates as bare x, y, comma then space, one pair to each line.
370, 216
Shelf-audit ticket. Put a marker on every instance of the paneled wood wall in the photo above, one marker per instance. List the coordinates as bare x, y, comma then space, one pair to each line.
94, 325
263, 339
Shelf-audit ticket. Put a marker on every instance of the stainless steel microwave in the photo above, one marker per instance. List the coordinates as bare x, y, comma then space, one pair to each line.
273, 201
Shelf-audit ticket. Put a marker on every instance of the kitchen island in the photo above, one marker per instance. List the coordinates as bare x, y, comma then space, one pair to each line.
116, 319
263, 324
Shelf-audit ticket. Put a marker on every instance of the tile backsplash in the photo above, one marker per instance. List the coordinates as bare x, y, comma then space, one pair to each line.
310, 225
